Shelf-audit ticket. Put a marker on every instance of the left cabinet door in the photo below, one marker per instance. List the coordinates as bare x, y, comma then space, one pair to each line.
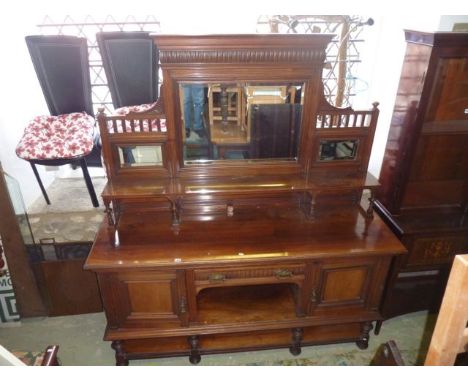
136, 299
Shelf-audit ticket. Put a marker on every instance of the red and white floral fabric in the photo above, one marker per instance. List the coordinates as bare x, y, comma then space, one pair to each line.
63, 136
157, 124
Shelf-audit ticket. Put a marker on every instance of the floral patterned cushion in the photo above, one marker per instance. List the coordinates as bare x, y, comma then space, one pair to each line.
64, 136
157, 124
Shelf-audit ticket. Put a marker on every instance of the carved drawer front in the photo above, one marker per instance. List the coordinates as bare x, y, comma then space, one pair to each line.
436, 250
264, 274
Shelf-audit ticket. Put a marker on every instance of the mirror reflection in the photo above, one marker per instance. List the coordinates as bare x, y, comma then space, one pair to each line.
240, 121
331, 150
137, 156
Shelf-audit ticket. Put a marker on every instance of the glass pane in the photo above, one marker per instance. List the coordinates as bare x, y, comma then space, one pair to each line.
20, 209
240, 121
338, 150
139, 156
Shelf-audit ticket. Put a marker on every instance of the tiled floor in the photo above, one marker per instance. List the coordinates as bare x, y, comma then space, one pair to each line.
70, 216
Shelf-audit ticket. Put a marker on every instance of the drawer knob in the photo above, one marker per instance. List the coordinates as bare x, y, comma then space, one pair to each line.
216, 277
283, 273
313, 296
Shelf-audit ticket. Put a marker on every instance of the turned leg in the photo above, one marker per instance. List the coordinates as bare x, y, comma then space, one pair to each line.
223, 97
120, 356
175, 208
89, 183
370, 209
194, 357
363, 342
110, 223
41, 186
297, 334
378, 326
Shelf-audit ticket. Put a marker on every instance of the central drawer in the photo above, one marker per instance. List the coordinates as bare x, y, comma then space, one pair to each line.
249, 275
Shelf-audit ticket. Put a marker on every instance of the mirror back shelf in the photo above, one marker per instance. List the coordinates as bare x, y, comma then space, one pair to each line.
243, 116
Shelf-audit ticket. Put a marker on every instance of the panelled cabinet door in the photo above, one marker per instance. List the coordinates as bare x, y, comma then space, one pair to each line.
342, 287
148, 298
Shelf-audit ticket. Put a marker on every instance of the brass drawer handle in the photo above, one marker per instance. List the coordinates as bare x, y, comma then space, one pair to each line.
216, 277
283, 273
183, 305
313, 295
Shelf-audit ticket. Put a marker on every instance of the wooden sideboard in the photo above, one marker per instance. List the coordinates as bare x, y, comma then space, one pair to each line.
203, 254
259, 279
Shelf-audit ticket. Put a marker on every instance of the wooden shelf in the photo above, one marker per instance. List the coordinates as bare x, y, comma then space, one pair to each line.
236, 304
126, 188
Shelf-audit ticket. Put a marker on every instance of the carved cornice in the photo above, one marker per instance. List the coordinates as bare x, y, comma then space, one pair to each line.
243, 56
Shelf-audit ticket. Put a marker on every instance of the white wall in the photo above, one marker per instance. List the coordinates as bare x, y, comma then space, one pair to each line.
446, 22
383, 61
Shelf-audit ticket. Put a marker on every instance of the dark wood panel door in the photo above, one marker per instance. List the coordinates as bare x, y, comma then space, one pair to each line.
144, 299
342, 287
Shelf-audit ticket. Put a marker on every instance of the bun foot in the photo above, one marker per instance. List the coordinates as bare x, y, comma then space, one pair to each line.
120, 356
195, 359
295, 350
194, 356
362, 344
297, 334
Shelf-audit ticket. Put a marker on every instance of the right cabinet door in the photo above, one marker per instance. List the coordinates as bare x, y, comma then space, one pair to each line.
346, 287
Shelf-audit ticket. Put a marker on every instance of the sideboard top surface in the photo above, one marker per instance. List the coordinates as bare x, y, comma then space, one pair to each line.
148, 240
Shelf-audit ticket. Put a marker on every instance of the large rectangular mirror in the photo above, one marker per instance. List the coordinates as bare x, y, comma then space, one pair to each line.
240, 121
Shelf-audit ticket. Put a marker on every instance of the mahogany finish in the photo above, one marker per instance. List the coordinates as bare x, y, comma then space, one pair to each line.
231, 255
424, 174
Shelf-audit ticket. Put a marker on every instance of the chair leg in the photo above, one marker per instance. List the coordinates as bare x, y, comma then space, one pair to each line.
89, 183
36, 173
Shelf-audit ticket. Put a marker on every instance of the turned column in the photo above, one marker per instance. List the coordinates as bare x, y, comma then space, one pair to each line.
120, 356
363, 342
297, 334
194, 357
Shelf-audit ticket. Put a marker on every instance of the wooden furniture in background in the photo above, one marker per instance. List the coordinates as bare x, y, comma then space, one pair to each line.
50, 356
235, 99
47, 358
234, 255
424, 174
388, 354
450, 335
28, 299
66, 288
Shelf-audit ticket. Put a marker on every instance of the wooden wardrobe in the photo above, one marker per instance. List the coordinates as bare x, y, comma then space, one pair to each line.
424, 175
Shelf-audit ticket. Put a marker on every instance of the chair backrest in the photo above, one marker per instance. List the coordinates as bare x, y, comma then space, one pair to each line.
130, 62
62, 67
